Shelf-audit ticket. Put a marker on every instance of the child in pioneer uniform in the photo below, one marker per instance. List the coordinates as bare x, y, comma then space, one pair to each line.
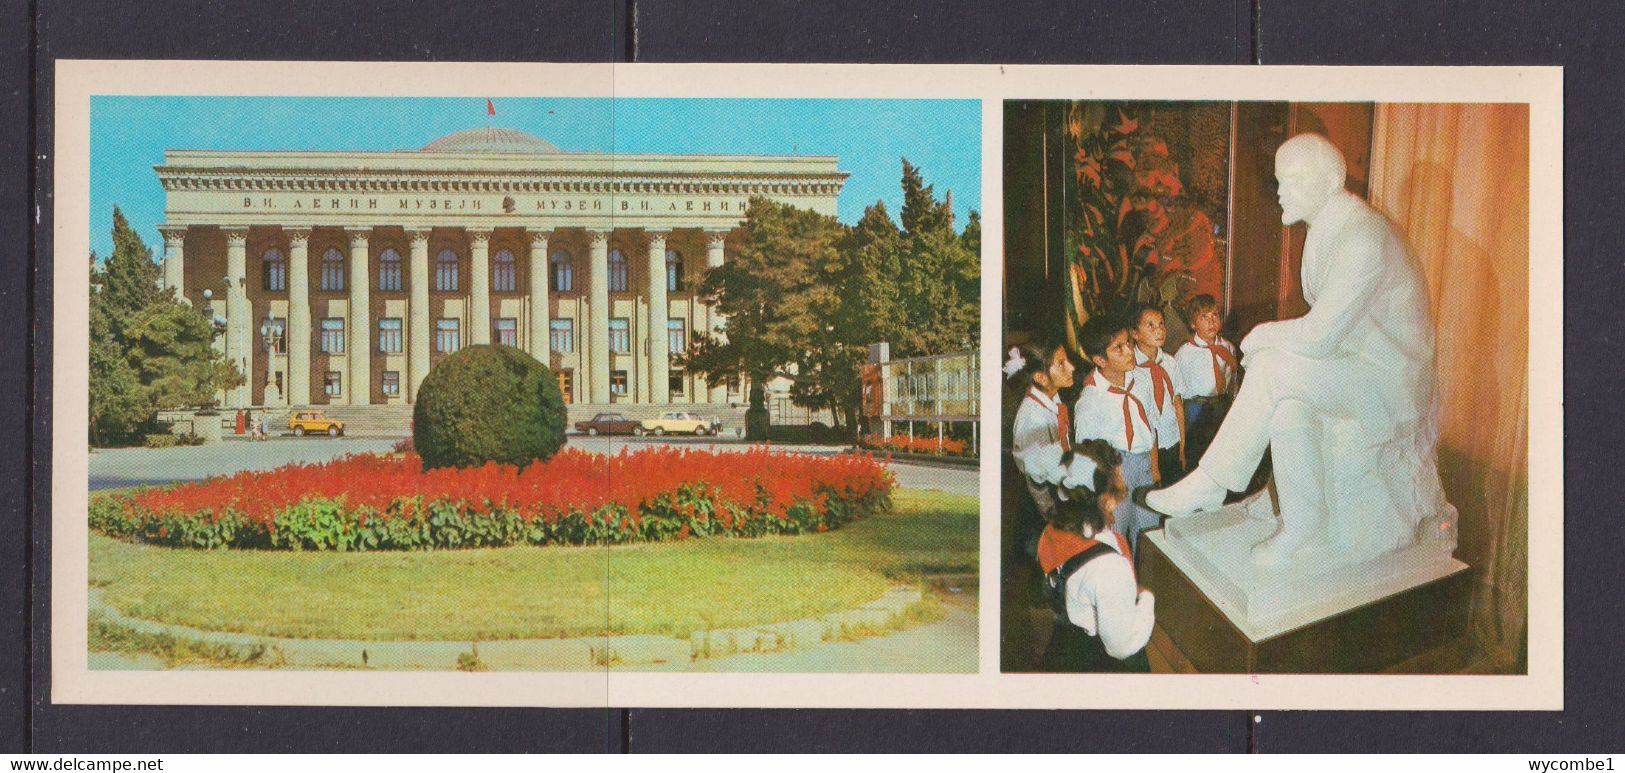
1103, 619
1040, 435
1119, 408
1208, 370
1157, 366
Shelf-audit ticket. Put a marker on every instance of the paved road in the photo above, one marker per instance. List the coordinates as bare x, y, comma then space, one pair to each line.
112, 468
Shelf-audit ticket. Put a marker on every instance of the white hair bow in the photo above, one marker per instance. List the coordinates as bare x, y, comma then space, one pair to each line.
1016, 362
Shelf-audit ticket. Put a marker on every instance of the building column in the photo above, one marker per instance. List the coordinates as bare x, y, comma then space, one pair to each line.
659, 363
238, 324
598, 316
417, 356
479, 285
360, 322
540, 304
714, 242
174, 259
298, 338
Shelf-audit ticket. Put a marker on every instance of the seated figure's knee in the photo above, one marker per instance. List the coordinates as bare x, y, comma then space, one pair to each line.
1264, 361
1292, 415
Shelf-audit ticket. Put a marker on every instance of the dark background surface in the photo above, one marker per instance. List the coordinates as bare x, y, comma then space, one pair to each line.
1584, 37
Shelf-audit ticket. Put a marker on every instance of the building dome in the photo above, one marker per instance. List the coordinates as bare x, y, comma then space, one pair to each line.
488, 139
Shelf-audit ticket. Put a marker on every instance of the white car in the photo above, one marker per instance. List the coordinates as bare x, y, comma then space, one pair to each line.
679, 423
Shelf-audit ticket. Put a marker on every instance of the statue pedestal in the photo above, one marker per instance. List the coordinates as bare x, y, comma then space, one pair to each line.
1312, 615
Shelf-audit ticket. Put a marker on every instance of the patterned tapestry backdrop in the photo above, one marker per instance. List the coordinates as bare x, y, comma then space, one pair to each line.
1146, 206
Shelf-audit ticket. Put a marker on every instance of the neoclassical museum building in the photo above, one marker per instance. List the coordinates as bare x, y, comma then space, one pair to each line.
343, 277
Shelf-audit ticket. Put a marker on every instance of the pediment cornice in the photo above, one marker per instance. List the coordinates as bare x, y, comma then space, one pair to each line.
326, 181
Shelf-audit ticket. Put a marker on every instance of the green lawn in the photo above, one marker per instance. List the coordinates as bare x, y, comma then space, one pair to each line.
527, 592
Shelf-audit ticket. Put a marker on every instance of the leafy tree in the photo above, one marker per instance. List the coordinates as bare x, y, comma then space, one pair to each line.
776, 294
922, 213
148, 351
972, 237
130, 278
805, 296
170, 346
871, 298
940, 278
117, 403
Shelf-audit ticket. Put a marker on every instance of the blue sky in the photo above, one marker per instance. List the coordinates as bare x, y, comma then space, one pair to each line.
128, 136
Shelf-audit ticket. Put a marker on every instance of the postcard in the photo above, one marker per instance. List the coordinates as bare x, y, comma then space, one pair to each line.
805, 385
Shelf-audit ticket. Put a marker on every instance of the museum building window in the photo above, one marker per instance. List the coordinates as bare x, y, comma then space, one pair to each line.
617, 382
504, 273
674, 271
445, 271
676, 383
447, 335
561, 335
563, 272
617, 272
676, 336
332, 335
333, 383
276, 271
389, 335
389, 271
620, 336
333, 270
391, 383
506, 331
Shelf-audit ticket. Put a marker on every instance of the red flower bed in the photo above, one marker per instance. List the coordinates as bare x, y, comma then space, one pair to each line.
381, 502
902, 444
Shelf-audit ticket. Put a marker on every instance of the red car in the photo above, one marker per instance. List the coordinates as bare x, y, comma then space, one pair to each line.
608, 424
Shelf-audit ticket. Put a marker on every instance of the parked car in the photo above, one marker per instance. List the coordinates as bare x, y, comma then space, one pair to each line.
608, 424
312, 422
680, 423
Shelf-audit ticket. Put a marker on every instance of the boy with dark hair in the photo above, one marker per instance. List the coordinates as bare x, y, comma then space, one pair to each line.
1157, 367
1118, 408
1103, 619
1208, 371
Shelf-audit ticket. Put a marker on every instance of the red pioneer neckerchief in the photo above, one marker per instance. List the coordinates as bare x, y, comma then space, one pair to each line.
1161, 383
1062, 418
1128, 422
1222, 358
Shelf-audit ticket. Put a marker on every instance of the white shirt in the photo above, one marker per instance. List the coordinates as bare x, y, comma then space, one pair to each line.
1196, 368
1035, 443
1103, 599
1167, 419
1099, 413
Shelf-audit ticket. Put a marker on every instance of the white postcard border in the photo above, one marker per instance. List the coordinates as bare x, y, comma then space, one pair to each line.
1540, 87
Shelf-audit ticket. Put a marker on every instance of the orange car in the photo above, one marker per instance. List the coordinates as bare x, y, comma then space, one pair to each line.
307, 422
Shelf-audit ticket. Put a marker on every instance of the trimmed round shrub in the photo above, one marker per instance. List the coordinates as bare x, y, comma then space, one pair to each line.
488, 404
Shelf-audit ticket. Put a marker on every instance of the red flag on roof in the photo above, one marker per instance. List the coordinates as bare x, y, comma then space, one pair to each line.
490, 109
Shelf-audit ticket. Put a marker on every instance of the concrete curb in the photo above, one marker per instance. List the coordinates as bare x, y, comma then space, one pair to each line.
928, 460
577, 654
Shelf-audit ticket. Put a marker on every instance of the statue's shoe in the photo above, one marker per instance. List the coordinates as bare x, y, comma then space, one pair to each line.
1274, 551
1289, 548
1138, 497
1196, 493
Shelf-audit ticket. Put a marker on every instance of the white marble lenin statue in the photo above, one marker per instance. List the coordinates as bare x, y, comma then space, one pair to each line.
1343, 396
